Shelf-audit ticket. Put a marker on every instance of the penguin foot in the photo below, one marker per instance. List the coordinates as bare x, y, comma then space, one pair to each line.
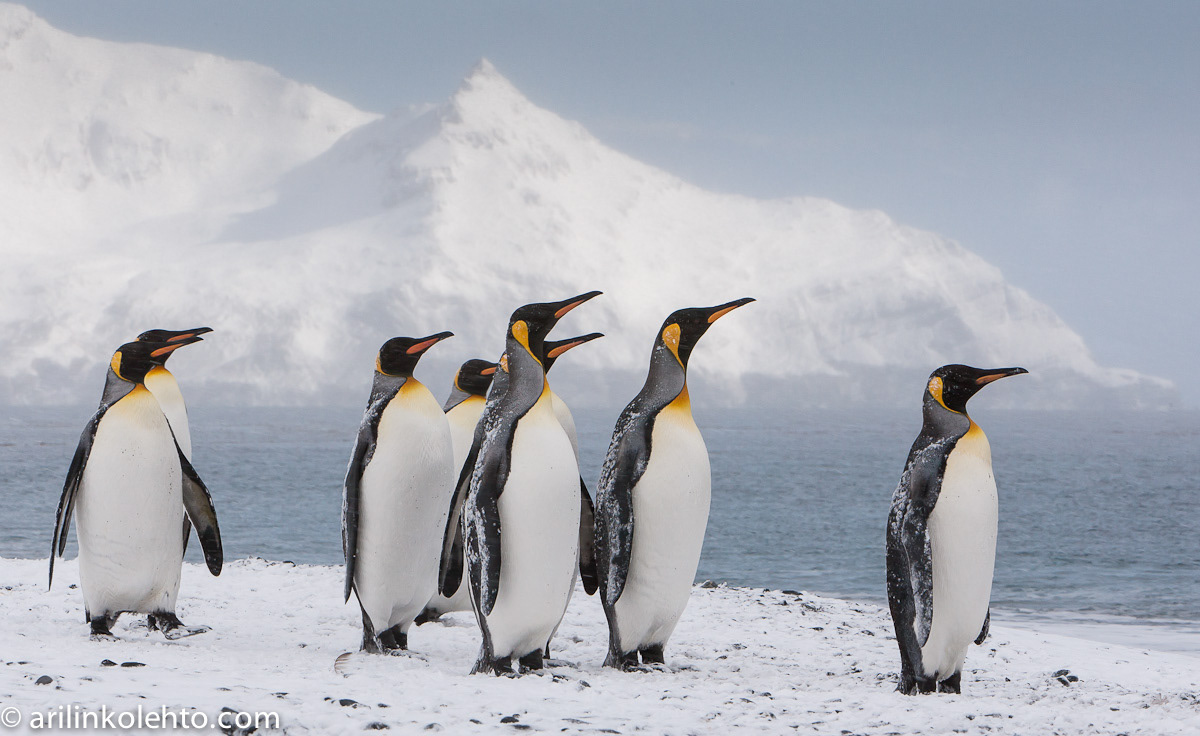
952, 684
101, 627
627, 662
182, 632
171, 627
653, 655
499, 667
393, 639
427, 616
532, 662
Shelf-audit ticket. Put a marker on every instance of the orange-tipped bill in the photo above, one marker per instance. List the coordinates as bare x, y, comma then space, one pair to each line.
428, 342
998, 374
724, 309
569, 304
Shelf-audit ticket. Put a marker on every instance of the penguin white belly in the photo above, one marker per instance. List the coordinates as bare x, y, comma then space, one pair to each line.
462, 419
405, 498
539, 535
565, 418
962, 535
170, 399
129, 512
670, 514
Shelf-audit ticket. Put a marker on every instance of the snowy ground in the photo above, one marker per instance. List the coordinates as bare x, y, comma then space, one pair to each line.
740, 659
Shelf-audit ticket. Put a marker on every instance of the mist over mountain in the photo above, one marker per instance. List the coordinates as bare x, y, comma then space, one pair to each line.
154, 187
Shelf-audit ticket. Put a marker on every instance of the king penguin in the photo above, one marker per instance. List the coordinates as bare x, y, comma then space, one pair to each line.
586, 569
518, 499
397, 494
162, 384
129, 487
652, 499
463, 407
941, 535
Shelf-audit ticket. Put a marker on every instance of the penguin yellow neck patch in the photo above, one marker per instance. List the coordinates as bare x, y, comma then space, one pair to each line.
520, 331
935, 390
670, 336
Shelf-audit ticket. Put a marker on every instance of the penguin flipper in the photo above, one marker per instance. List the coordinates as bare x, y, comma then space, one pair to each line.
481, 527
383, 390
909, 554
66, 502
626, 461
450, 569
364, 449
587, 540
987, 624
199, 506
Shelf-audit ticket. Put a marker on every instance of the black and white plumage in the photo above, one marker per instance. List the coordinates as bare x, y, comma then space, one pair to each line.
941, 535
463, 408
652, 499
518, 504
396, 495
129, 488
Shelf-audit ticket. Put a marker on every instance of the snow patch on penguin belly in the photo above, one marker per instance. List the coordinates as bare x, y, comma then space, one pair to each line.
405, 500
962, 534
129, 514
539, 536
670, 513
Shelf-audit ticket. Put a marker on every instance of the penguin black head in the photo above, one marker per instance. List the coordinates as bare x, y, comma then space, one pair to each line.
172, 335
530, 324
952, 385
133, 360
399, 356
555, 348
684, 328
475, 376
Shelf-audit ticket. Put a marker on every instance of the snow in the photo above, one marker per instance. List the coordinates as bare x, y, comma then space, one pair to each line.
156, 187
744, 659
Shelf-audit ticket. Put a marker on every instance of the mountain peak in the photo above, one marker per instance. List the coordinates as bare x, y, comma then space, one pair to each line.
485, 90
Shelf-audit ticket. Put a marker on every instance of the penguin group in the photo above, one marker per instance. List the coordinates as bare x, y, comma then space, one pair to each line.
479, 503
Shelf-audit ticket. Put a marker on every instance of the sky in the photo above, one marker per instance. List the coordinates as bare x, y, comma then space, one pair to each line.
1058, 140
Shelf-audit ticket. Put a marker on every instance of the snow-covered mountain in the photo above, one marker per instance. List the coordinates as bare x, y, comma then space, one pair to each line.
158, 187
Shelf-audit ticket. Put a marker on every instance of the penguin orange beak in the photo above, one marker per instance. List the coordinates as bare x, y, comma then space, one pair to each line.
428, 342
488, 371
185, 334
562, 346
996, 375
721, 310
567, 305
173, 346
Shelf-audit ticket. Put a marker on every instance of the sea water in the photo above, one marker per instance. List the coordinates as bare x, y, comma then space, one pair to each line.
1099, 513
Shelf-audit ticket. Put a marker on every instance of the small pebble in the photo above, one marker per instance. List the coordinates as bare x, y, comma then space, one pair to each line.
377, 726
510, 719
133, 664
348, 703
107, 663
45, 680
